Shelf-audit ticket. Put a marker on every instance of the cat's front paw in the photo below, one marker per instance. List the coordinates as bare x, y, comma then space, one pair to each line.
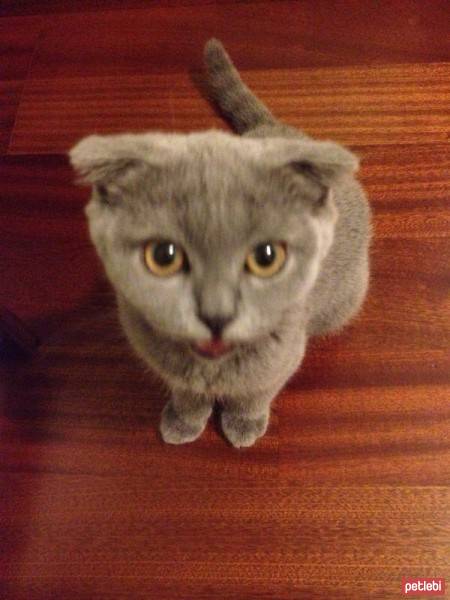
176, 430
242, 431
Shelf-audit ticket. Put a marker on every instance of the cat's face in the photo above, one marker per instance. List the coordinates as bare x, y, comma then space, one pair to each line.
208, 227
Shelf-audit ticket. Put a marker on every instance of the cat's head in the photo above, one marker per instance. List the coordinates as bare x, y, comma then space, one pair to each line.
210, 231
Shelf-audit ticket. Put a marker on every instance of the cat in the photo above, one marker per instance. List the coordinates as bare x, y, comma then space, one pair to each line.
227, 252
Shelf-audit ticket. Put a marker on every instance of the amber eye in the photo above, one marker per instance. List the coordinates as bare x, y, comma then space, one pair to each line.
164, 258
266, 259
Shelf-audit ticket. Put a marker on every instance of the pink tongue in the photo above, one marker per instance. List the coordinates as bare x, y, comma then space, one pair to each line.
214, 347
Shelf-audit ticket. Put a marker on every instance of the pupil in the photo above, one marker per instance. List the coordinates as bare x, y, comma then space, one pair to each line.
164, 254
265, 255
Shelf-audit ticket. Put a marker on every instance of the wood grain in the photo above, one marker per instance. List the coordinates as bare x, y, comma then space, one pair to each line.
349, 490
392, 104
47, 261
262, 35
258, 542
10, 92
10, 8
18, 39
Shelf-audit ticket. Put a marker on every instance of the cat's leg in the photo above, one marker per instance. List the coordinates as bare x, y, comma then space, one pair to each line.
244, 420
184, 417
245, 417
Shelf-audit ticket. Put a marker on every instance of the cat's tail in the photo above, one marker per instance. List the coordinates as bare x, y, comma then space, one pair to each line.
233, 97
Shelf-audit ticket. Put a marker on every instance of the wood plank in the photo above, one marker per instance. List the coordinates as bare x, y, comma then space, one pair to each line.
239, 541
48, 264
18, 39
408, 187
395, 104
75, 107
262, 35
382, 434
235, 581
10, 92
51, 7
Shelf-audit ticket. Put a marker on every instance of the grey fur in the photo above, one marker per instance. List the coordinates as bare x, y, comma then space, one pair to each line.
238, 104
218, 195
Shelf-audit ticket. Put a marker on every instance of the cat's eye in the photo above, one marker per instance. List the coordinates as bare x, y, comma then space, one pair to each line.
266, 259
164, 258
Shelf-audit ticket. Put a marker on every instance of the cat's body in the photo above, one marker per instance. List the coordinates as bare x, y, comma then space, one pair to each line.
218, 196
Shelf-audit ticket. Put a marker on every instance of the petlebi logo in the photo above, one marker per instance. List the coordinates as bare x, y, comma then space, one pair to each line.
422, 586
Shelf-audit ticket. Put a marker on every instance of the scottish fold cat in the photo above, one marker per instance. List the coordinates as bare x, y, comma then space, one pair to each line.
226, 252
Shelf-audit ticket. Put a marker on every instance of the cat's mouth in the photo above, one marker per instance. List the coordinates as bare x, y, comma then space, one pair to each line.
214, 348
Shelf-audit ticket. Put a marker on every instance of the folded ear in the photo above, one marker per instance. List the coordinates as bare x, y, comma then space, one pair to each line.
103, 159
324, 161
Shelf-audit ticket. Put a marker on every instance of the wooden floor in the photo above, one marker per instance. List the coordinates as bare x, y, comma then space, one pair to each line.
349, 490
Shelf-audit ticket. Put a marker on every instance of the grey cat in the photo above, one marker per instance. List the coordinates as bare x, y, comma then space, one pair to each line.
227, 252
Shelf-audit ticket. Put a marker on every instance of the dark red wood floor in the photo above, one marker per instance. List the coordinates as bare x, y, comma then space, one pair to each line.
348, 492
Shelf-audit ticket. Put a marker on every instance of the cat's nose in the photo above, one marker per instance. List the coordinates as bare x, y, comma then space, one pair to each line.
216, 324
